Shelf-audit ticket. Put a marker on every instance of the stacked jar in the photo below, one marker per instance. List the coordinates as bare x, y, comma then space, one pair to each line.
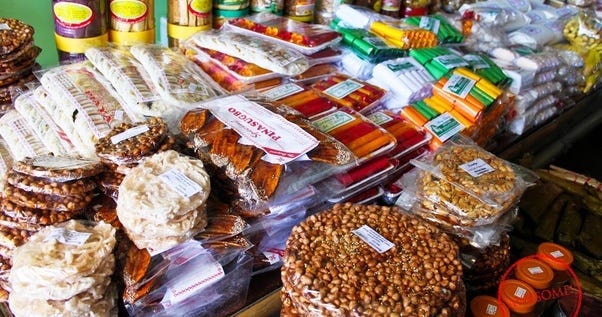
187, 17
300, 10
325, 10
534, 284
224, 10
416, 7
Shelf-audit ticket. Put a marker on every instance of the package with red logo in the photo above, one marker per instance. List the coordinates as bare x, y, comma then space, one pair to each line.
80, 87
263, 151
348, 92
191, 279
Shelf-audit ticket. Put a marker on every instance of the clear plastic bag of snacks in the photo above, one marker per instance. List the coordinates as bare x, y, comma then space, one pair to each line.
304, 100
347, 92
303, 37
464, 184
21, 139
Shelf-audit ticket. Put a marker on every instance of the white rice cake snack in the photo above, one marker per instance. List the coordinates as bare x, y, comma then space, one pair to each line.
72, 122
42, 124
269, 55
19, 136
79, 86
129, 78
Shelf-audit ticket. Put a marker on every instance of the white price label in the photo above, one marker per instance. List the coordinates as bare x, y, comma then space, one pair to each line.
520, 292
119, 115
477, 168
450, 61
282, 91
272, 257
342, 89
430, 24
129, 133
380, 118
459, 85
535, 270
491, 309
333, 121
70, 237
476, 61
205, 272
179, 182
4, 26
557, 254
444, 126
373, 239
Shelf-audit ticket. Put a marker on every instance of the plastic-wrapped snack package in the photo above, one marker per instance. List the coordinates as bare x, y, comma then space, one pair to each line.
408, 136
265, 150
21, 139
129, 79
540, 111
222, 77
347, 92
6, 162
486, 68
438, 61
464, 185
191, 279
82, 88
162, 200
304, 100
497, 13
535, 36
65, 269
437, 24
403, 35
53, 137
358, 17
303, 37
405, 77
528, 99
357, 67
266, 54
72, 122
178, 80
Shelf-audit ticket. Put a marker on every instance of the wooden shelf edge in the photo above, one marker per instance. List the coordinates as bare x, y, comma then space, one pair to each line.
267, 306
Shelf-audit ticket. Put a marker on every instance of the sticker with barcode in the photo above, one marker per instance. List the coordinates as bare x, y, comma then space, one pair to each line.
557, 254
477, 168
491, 309
179, 182
129, 133
66, 236
520, 292
283, 91
373, 239
459, 85
535, 270
342, 89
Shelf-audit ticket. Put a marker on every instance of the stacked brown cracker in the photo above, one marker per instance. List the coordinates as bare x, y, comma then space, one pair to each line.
18, 55
39, 192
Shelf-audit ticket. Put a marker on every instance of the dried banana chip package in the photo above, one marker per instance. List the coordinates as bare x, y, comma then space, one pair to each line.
267, 152
193, 280
464, 184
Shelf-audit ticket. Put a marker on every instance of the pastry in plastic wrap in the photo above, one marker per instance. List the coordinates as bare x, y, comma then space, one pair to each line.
65, 268
161, 201
23, 216
19, 136
59, 168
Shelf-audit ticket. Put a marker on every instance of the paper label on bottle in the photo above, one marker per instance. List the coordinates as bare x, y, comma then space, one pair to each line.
380, 118
459, 85
444, 126
203, 273
343, 89
333, 121
180, 183
129, 133
72, 15
557, 254
450, 61
430, 24
283, 91
373, 239
491, 309
477, 168
128, 11
520, 292
281, 140
476, 61
66, 236
4, 26
535, 270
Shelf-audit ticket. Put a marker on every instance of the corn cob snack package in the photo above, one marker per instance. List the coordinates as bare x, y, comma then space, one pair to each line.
267, 151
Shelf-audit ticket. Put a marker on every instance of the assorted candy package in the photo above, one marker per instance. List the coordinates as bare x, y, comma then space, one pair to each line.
306, 101
348, 92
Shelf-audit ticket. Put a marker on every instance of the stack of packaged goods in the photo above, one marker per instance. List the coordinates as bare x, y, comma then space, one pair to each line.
337, 262
18, 55
65, 270
225, 10
470, 194
43, 191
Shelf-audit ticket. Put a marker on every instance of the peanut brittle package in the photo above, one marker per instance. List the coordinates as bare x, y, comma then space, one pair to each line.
266, 151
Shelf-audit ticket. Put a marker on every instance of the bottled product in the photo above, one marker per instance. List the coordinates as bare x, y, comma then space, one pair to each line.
131, 21
186, 17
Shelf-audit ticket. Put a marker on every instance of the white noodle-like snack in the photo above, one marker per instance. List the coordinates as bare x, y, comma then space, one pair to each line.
161, 201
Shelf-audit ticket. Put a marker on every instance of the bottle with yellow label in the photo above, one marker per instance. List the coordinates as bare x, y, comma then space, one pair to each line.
131, 21
187, 17
78, 25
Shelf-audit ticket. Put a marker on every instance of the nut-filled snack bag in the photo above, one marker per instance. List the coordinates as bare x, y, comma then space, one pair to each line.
461, 186
262, 150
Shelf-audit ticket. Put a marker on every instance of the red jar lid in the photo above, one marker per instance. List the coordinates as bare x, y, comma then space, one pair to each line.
535, 272
487, 306
519, 296
556, 256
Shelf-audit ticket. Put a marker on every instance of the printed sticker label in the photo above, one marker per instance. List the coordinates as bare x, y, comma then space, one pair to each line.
444, 126
373, 239
343, 89
4, 26
476, 61
402, 67
477, 168
535, 270
380, 118
557, 254
430, 24
66, 236
129, 133
333, 121
283, 91
179, 182
459, 85
450, 61
520, 292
